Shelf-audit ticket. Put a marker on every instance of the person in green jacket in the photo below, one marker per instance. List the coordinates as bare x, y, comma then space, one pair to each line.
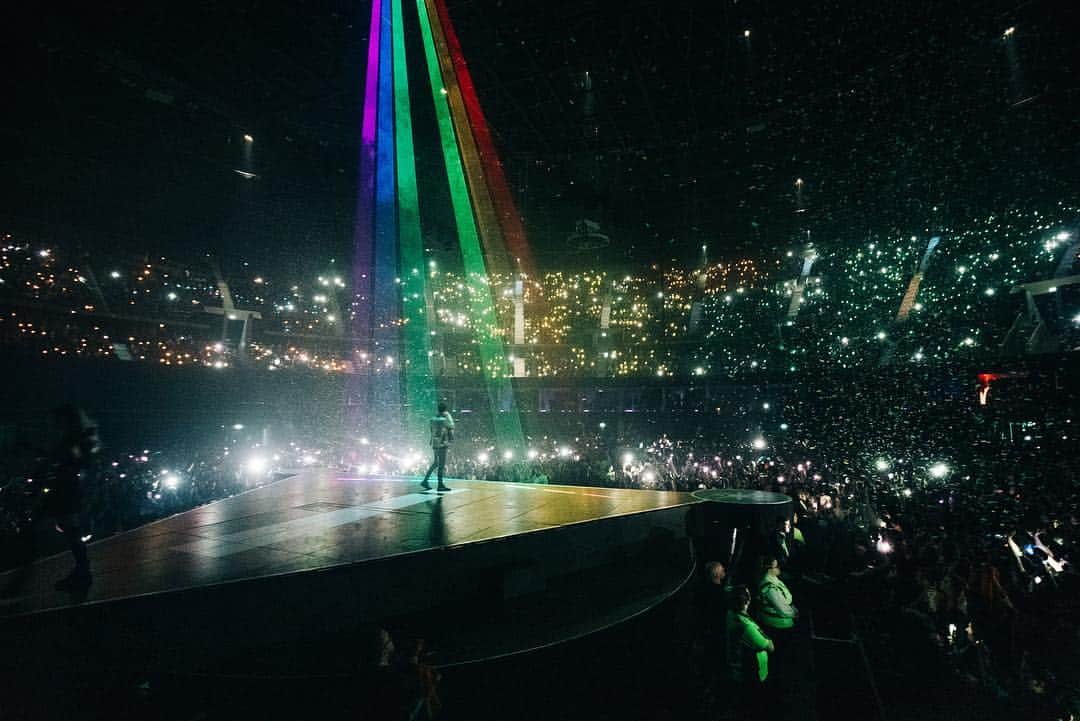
777, 611
748, 652
777, 616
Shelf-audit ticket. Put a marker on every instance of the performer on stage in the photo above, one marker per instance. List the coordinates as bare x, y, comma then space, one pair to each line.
62, 469
442, 434
78, 445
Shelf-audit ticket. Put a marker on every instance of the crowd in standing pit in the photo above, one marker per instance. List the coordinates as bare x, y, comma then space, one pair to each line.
950, 526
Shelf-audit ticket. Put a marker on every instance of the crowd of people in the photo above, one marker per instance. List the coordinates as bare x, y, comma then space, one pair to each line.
121, 489
950, 525
836, 305
951, 530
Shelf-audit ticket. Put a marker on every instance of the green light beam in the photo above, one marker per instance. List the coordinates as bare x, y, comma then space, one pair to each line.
420, 389
504, 413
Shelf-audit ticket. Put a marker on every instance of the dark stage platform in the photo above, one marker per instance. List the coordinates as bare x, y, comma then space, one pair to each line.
319, 554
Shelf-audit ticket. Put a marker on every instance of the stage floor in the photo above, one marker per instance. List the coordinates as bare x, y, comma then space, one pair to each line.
319, 519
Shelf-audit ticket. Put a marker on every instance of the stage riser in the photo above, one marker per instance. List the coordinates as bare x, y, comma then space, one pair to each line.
194, 629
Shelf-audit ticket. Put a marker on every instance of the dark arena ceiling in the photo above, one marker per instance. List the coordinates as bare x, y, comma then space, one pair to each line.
671, 124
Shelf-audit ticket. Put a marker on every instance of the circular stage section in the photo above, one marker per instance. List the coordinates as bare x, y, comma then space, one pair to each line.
743, 497
725, 508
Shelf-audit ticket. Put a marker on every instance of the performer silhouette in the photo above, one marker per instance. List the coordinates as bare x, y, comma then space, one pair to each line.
442, 434
62, 468
77, 446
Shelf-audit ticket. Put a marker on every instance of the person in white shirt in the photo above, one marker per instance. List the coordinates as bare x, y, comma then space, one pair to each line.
442, 434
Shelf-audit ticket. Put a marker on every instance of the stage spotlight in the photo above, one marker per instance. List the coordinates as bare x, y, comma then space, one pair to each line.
256, 464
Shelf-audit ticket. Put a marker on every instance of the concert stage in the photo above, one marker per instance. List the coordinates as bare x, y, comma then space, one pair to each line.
486, 570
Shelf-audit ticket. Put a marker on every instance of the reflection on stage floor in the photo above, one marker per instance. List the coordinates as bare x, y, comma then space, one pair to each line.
318, 520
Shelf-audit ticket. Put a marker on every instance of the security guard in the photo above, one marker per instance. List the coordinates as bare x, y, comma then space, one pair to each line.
777, 611
748, 652
777, 614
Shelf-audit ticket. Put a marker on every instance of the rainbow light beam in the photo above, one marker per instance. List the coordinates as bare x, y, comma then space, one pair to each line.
420, 390
501, 400
513, 232
386, 390
487, 221
363, 240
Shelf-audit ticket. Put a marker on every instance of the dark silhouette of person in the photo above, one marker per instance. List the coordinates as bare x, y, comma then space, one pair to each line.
442, 434
395, 684
59, 498
76, 448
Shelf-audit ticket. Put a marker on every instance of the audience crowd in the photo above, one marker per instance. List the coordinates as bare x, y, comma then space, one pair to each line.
840, 304
948, 526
